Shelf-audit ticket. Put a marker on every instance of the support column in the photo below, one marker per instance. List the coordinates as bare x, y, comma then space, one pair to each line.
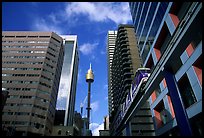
128, 128
179, 109
88, 105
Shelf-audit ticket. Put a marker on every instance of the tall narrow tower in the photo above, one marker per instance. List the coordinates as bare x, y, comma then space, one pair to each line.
89, 80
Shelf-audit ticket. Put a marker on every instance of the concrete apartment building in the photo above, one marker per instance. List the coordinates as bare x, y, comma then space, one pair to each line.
125, 62
111, 37
169, 37
31, 70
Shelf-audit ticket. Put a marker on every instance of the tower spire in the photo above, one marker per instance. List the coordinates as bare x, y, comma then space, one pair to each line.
89, 80
90, 66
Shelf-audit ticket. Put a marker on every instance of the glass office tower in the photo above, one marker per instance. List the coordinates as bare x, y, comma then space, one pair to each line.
69, 76
170, 43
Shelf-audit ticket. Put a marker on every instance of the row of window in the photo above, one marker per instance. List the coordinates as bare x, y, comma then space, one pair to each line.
25, 97
47, 71
44, 84
21, 68
49, 65
36, 125
50, 54
46, 78
22, 89
27, 105
15, 51
30, 42
27, 89
23, 56
22, 36
22, 75
24, 62
51, 60
43, 92
8, 46
24, 113
53, 49
40, 107
39, 116
20, 81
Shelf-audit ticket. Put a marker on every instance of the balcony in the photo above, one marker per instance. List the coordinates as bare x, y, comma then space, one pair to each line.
124, 49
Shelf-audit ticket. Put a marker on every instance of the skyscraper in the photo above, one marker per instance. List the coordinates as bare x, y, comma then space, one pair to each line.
106, 122
69, 76
31, 70
125, 62
170, 43
110, 51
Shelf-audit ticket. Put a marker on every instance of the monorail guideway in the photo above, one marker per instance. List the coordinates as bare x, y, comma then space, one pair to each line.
137, 90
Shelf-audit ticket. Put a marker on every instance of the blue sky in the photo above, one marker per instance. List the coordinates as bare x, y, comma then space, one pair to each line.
90, 22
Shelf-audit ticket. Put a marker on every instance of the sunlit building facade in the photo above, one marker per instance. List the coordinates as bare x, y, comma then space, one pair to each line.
31, 70
69, 76
169, 38
111, 37
125, 62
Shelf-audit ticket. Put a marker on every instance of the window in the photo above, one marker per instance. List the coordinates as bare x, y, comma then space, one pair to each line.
44, 36
198, 68
186, 91
20, 36
39, 51
157, 91
43, 42
41, 46
22, 113
10, 36
162, 116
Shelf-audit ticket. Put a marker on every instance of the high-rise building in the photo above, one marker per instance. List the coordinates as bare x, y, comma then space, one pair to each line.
106, 122
60, 130
31, 70
4, 95
169, 36
110, 51
125, 62
105, 131
69, 76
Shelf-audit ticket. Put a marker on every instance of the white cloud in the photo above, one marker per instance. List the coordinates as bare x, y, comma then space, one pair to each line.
41, 24
63, 88
53, 17
117, 12
87, 48
105, 86
95, 128
80, 77
61, 103
106, 98
103, 52
95, 106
